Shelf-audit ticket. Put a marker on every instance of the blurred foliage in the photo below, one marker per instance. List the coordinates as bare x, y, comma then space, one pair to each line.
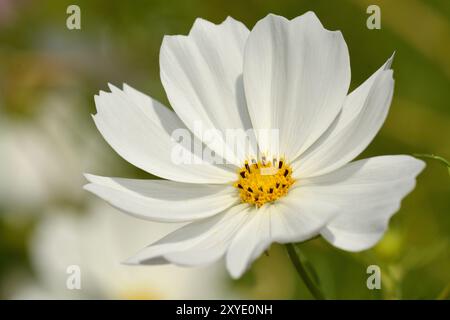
119, 42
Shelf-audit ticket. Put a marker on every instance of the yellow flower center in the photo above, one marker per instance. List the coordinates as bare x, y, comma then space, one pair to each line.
264, 181
137, 293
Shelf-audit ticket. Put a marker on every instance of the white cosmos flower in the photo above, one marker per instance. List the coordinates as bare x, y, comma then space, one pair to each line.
290, 75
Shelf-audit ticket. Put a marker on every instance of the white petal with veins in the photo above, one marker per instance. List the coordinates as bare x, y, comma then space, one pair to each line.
139, 129
296, 77
202, 76
368, 193
196, 243
362, 116
164, 201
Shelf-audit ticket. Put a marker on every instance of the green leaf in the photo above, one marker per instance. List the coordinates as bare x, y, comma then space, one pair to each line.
445, 293
442, 160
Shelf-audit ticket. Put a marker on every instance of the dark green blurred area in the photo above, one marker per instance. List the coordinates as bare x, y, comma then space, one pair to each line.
119, 42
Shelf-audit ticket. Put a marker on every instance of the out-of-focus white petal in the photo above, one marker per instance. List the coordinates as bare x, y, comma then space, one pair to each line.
162, 200
197, 243
139, 129
41, 157
202, 76
368, 192
96, 241
362, 116
296, 77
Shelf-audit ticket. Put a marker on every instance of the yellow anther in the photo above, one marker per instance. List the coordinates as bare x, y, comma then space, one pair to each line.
263, 181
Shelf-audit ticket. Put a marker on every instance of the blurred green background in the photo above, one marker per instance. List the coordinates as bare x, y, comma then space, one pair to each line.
49, 75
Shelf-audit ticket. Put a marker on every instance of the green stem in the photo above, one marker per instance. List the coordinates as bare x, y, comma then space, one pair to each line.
315, 291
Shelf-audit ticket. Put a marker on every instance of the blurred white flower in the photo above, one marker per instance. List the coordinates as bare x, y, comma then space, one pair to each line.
42, 157
287, 75
95, 241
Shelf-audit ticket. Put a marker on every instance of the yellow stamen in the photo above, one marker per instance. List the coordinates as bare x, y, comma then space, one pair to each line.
264, 181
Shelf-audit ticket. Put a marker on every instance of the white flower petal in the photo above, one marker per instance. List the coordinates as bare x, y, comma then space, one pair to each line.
139, 129
300, 215
202, 76
296, 77
251, 240
161, 200
297, 217
368, 193
197, 243
362, 116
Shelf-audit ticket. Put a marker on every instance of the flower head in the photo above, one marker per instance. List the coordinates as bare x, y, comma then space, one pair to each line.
291, 76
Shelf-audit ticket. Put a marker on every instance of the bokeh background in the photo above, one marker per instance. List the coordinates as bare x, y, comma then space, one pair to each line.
49, 75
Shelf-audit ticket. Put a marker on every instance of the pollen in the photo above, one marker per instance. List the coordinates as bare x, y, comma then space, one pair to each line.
260, 182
